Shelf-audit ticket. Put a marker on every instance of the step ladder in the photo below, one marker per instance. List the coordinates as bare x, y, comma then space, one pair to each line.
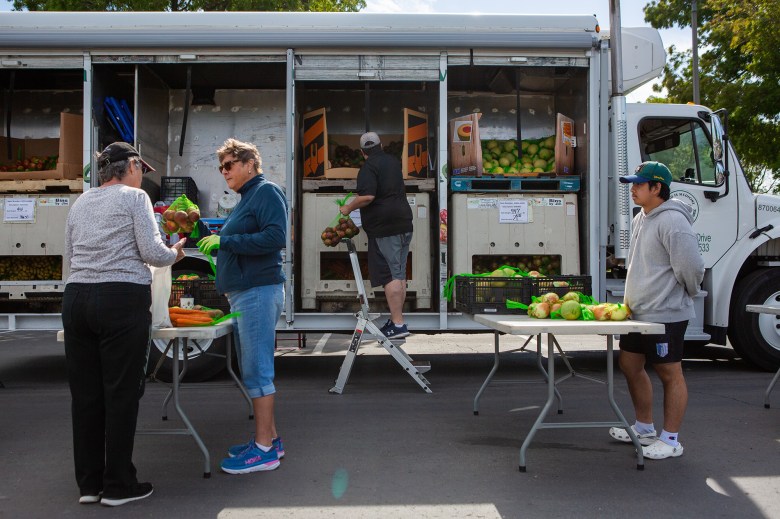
365, 324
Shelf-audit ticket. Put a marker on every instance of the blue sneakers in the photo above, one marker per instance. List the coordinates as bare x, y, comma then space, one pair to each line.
253, 459
237, 450
391, 331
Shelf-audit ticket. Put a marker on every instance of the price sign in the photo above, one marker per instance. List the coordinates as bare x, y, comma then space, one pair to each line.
19, 210
513, 211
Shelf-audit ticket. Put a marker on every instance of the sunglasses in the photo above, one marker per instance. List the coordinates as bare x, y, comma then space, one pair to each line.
227, 166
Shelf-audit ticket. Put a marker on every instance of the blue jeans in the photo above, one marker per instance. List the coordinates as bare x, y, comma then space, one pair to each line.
255, 335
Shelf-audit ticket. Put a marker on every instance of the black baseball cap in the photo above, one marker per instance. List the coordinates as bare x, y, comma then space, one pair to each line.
119, 151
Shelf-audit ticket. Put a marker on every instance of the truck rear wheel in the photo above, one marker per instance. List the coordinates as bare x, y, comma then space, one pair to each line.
200, 367
756, 337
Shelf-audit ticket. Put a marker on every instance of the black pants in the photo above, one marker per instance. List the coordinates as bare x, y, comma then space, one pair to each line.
107, 336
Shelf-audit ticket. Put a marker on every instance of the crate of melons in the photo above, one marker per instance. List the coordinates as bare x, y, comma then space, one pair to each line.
488, 293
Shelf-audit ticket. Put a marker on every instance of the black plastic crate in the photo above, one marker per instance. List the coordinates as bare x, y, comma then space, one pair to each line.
208, 296
488, 295
172, 188
203, 291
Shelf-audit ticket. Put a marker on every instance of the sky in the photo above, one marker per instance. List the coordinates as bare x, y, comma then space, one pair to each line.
630, 13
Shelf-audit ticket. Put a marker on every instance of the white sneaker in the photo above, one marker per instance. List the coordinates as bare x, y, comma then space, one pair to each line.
662, 450
621, 434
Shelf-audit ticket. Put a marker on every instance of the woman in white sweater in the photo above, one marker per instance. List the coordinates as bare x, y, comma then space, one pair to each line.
111, 238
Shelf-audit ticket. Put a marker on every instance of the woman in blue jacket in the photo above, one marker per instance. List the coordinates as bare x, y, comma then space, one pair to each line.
250, 274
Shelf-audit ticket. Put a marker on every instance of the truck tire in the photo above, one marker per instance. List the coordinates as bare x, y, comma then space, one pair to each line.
756, 337
200, 367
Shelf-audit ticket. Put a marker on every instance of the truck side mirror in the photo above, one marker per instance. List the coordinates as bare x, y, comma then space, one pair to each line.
716, 130
719, 154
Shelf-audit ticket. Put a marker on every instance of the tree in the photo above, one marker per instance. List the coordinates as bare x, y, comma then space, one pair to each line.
739, 70
190, 5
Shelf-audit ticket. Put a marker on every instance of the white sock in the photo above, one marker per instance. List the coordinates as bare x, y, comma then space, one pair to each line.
263, 447
669, 438
644, 428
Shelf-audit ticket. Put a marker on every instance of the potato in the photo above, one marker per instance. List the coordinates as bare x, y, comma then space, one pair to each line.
180, 217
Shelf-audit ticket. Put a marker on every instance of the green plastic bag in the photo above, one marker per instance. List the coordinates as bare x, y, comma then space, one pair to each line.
182, 217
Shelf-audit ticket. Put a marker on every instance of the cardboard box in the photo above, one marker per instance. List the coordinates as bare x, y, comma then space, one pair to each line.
68, 148
319, 147
315, 144
414, 160
465, 146
564, 145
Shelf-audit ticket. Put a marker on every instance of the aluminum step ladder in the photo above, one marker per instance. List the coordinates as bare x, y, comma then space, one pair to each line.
365, 324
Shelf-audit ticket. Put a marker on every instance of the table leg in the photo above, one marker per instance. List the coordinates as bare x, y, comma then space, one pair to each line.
177, 405
769, 389
640, 460
229, 357
490, 375
539, 364
550, 397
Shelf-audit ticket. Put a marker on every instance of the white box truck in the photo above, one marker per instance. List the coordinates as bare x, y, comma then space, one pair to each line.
191, 80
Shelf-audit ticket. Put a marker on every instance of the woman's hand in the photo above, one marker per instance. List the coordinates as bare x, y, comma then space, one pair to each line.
179, 248
208, 244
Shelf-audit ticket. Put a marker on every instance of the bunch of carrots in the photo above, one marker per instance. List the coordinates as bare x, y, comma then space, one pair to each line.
182, 317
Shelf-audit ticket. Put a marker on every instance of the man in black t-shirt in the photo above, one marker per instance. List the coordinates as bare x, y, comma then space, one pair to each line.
387, 219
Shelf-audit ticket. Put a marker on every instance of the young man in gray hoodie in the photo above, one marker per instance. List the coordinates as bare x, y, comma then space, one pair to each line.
665, 271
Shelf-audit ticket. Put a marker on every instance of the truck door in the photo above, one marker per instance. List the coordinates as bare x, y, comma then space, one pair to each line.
684, 144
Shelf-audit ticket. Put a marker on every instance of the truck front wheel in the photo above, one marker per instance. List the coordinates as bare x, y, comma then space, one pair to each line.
756, 337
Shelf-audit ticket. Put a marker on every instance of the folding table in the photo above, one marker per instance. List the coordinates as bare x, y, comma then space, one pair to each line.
524, 325
772, 310
177, 342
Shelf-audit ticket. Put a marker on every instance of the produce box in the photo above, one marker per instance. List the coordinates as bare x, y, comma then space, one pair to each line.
337, 156
465, 146
415, 152
483, 295
551, 155
67, 148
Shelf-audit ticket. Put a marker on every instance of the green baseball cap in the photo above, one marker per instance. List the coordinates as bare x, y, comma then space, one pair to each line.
647, 171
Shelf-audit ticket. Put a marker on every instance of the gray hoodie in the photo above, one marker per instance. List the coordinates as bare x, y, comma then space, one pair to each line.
665, 268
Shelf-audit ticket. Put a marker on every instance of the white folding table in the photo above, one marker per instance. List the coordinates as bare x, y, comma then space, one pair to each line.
771, 310
177, 342
524, 325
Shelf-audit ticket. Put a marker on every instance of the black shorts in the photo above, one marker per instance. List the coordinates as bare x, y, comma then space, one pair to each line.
658, 349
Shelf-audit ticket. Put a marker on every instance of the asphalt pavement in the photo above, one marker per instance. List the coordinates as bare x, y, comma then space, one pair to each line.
384, 448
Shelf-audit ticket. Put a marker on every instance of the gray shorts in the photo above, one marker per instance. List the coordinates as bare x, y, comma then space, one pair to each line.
387, 258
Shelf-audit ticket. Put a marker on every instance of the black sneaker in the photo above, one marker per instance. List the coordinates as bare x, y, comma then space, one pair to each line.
392, 331
135, 493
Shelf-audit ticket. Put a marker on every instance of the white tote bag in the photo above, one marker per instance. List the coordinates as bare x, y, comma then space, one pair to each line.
161, 293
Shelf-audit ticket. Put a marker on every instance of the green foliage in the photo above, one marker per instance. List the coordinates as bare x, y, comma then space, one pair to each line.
190, 5
739, 71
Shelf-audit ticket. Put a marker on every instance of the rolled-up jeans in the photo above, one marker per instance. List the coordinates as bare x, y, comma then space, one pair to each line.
260, 308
